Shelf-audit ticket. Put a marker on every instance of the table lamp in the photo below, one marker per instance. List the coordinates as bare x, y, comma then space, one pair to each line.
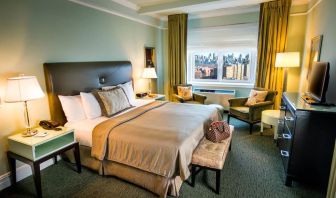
23, 89
149, 73
286, 60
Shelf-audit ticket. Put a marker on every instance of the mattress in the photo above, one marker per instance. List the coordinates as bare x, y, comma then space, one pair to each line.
83, 128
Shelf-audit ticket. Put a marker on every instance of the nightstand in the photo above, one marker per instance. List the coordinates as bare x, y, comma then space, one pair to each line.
155, 97
35, 150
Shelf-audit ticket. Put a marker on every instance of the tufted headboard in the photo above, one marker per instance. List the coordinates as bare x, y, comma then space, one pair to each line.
74, 77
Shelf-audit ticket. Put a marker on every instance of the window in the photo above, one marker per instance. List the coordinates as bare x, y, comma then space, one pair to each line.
222, 55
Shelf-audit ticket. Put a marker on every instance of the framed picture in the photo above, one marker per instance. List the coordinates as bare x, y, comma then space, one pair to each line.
315, 52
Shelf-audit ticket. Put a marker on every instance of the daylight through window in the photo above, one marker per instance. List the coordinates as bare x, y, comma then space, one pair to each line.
229, 59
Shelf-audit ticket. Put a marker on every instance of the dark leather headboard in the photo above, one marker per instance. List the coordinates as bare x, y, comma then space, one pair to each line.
74, 77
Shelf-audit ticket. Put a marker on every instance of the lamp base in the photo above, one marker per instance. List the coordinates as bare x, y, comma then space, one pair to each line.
29, 132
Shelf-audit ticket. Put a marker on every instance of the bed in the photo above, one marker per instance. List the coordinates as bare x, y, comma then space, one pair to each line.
149, 145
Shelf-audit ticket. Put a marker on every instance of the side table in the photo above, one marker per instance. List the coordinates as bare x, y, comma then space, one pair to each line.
35, 150
270, 117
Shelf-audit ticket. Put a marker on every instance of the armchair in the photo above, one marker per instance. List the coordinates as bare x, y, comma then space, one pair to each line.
196, 99
250, 114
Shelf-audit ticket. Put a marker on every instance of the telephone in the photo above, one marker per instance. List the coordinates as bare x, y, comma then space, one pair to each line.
50, 125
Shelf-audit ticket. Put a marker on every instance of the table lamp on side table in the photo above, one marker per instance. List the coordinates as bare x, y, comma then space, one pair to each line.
149, 73
286, 60
22, 89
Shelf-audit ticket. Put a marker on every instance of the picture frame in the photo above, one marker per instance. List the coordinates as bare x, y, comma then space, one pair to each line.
315, 52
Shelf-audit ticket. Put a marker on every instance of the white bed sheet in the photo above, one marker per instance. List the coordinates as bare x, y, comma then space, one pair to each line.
83, 129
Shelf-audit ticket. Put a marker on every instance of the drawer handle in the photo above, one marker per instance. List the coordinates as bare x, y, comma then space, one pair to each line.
291, 119
286, 136
282, 107
284, 153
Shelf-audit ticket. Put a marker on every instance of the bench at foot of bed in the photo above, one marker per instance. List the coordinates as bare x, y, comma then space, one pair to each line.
211, 156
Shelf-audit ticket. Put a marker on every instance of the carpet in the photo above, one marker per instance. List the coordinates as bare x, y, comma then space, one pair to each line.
253, 168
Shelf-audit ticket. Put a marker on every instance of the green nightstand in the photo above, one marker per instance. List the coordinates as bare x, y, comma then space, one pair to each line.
35, 150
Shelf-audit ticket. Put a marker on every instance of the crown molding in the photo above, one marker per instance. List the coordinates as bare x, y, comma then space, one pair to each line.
116, 13
128, 4
308, 11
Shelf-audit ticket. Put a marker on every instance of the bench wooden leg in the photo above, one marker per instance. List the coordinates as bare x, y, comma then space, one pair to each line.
228, 118
193, 175
218, 178
251, 127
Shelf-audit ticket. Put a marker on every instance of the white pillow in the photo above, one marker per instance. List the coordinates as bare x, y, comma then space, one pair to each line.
72, 107
128, 88
91, 105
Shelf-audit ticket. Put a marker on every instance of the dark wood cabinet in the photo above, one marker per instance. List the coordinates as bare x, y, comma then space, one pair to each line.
306, 140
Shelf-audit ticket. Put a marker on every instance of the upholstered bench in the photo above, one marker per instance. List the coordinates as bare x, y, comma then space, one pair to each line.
211, 156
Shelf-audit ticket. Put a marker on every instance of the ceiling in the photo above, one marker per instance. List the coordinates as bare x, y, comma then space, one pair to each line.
195, 8
149, 11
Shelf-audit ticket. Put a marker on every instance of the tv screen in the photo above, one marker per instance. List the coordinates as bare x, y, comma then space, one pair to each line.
318, 82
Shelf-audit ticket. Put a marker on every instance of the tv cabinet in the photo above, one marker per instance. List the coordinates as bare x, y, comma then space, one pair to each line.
306, 140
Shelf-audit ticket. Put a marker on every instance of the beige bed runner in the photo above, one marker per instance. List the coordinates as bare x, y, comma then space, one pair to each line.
159, 137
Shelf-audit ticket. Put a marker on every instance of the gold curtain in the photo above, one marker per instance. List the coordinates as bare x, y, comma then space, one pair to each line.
332, 180
177, 50
273, 27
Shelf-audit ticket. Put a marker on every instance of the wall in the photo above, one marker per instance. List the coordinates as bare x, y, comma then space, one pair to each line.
295, 43
37, 31
321, 20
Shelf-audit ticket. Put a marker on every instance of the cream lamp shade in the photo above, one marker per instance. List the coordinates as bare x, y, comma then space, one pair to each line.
287, 59
149, 72
23, 88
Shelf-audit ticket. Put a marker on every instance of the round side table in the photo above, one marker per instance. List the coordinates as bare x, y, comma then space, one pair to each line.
270, 117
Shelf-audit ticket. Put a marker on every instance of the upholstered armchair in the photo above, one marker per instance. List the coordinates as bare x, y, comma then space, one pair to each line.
196, 99
250, 114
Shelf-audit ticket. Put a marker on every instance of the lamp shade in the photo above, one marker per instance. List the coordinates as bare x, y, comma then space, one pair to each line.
149, 72
23, 88
287, 59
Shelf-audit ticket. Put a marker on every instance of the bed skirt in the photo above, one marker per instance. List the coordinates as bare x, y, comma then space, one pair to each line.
157, 184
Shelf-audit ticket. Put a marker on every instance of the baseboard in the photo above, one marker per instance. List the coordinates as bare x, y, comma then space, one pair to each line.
21, 173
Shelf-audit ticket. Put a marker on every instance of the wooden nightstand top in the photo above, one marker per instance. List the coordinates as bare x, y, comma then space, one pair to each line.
35, 140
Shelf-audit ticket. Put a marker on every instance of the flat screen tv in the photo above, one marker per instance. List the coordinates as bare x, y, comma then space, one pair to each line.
318, 82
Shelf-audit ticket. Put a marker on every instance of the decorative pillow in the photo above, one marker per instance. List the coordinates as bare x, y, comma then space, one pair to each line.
112, 101
256, 97
73, 108
128, 88
91, 105
108, 87
185, 92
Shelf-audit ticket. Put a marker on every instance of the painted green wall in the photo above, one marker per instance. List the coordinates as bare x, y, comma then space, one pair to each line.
37, 31
295, 43
320, 21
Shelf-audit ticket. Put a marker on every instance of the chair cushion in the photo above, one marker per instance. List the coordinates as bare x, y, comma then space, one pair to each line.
185, 92
212, 155
255, 97
242, 112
